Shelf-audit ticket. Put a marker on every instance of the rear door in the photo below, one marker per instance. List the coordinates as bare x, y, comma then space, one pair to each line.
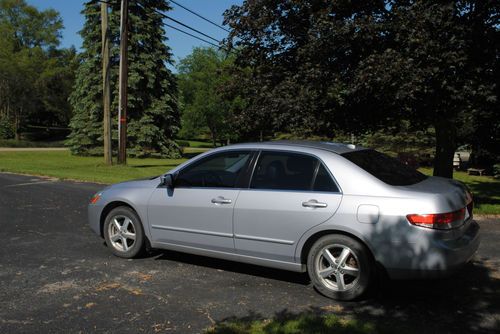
289, 193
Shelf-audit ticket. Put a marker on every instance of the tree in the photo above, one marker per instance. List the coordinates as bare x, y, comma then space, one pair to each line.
153, 117
202, 76
438, 68
321, 66
34, 74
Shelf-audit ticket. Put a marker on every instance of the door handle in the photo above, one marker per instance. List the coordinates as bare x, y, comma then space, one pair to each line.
312, 203
221, 200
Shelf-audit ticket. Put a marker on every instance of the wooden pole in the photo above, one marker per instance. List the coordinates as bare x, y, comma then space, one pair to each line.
106, 92
122, 86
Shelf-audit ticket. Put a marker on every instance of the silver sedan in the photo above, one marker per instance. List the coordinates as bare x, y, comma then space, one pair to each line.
340, 212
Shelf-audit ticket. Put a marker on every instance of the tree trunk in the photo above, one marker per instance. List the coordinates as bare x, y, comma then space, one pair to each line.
445, 148
17, 124
213, 133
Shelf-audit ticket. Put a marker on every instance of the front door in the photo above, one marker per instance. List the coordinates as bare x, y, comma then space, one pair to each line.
198, 211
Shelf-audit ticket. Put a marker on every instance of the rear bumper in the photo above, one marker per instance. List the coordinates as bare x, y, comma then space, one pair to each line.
441, 258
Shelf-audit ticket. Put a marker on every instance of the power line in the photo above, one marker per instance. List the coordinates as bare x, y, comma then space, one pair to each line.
182, 24
189, 34
178, 22
185, 25
200, 16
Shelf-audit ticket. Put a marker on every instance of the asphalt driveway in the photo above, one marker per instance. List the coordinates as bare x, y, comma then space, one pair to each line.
57, 276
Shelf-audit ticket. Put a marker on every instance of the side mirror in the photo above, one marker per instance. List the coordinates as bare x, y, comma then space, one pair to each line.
167, 180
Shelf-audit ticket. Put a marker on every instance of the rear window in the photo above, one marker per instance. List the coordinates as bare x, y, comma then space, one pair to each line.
385, 168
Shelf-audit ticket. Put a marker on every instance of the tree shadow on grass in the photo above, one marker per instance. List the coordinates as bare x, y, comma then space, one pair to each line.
312, 321
485, 192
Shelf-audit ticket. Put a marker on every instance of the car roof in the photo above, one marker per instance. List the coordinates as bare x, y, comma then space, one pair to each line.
334, 147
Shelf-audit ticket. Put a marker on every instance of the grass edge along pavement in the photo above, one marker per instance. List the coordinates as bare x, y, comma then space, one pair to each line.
63, 165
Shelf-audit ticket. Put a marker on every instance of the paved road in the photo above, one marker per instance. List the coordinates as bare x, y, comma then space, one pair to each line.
57, 276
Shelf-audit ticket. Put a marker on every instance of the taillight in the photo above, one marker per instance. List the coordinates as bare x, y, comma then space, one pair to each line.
438, 220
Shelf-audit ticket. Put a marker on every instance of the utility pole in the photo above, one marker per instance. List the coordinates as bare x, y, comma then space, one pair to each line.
122, 86
106, 93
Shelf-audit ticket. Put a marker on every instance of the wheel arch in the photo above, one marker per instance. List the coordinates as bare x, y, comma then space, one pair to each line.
304, 251
107, 209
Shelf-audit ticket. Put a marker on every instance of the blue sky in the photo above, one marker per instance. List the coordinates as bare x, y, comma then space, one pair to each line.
180, 44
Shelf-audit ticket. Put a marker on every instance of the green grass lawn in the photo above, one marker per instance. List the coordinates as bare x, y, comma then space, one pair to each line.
63, 165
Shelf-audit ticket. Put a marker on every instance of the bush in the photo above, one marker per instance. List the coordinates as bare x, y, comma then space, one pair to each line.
6, 129
496, 171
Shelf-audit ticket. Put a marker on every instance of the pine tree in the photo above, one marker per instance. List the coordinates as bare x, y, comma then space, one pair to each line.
153, 116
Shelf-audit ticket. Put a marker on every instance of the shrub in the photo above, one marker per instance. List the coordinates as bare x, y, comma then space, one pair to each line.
6, 129
496, 171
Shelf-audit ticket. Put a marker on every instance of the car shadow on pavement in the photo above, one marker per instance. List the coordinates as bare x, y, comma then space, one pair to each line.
231, 266
468, 301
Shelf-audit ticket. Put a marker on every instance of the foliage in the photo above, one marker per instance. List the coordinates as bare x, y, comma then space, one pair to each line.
496, 171
318, 67
6, 129
152, 114
35, 76
202, 77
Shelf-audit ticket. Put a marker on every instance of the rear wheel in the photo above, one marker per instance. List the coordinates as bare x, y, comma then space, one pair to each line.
340, 267
123, 232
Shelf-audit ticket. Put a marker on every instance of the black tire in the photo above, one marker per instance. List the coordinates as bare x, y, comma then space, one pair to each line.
344, 283
133, 248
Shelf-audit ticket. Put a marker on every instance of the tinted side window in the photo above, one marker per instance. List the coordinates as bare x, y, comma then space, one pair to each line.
219, 170
285, 171
324, 181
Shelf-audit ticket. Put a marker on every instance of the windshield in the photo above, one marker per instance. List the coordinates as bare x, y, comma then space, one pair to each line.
385, 168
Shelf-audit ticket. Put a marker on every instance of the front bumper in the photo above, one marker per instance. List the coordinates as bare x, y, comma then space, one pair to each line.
440, 258
94, 217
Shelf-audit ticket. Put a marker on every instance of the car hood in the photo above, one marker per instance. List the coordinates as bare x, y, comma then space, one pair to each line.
139, 183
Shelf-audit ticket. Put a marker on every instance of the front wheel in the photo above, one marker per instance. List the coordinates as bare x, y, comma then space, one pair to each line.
123, 232
340, 267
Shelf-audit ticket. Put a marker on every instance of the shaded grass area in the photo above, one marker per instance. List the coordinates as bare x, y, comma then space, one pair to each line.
303, 323
29, 143
485, 189
63, 165
199, 144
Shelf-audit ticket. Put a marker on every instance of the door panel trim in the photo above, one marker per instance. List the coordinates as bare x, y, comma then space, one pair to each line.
188, 230
276, 241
